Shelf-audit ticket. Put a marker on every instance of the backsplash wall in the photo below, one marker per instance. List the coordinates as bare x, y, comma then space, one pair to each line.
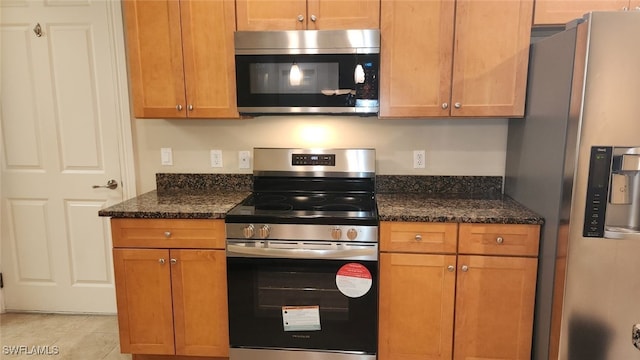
470, 147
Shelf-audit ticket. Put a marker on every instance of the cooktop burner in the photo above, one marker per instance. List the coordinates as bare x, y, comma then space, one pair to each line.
310, 186
306, 208
327, 202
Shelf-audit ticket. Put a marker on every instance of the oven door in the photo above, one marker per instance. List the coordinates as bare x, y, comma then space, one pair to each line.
316, 83
307, 298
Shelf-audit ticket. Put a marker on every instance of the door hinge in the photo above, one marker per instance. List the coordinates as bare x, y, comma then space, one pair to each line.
1, 281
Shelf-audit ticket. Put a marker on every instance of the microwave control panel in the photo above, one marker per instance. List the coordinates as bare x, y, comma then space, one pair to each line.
597, 191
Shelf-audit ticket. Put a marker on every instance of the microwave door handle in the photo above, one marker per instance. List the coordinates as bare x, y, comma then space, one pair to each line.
354, 252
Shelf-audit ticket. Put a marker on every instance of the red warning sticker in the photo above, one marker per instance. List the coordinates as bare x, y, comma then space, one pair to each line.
353, 280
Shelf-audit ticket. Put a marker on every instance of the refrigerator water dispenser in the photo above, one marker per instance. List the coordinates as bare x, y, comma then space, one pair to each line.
613, 193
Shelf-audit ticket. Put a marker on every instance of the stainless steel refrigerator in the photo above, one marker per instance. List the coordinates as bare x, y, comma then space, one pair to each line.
574, 159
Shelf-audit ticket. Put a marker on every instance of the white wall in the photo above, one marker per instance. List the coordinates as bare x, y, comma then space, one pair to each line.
453, 147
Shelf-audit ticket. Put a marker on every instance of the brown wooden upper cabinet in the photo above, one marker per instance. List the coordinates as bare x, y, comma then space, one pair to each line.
180, 56
556, 12
254, 15
461, 58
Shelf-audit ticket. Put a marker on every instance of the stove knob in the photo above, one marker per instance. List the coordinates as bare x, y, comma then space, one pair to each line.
248, 231
352, 234
264, 231
336, 233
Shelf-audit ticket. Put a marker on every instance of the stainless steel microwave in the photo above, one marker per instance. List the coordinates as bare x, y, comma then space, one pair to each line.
307, 71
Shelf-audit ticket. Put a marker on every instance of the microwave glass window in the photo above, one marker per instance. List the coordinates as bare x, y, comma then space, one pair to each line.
323, 81
273, 78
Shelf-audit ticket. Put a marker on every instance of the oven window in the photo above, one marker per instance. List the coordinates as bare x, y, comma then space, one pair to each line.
261, 289
276, 289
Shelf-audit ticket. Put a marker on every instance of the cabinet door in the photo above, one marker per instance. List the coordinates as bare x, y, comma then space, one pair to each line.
271, 15
416, 57
143, 294
154, 48
344, 14
416, 306
200, 302
491, 55
556, 12
209, 63
494, 307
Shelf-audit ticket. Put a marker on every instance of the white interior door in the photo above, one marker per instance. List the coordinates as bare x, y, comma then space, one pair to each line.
64, 117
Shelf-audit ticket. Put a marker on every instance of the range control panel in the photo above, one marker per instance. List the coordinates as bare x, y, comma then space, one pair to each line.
313, 159
597, 191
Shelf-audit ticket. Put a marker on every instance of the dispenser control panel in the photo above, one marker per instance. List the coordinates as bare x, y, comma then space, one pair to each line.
597, 191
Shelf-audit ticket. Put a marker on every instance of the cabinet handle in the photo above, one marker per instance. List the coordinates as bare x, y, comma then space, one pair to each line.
457, 105
167, 234
173, 261
300, 18
450, 268
190, 107
499, 240
445, 106
465, 268
313, 18
161, 261
179, 107
418, 237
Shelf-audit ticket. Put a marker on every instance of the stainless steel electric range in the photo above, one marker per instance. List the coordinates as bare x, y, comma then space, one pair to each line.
302, 257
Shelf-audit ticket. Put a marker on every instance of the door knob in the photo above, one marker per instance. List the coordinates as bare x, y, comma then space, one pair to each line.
111, 184
38, 30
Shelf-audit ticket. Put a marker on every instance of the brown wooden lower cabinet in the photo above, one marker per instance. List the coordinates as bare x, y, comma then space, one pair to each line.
452, 305
171, 301
174, 357
494, 307
416, 306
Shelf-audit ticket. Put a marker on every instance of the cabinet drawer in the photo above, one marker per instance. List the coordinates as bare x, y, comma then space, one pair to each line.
168, 233
418, 237
499, 239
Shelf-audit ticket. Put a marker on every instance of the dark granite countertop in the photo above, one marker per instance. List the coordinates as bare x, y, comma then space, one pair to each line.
399, 198
178, 204
463, 208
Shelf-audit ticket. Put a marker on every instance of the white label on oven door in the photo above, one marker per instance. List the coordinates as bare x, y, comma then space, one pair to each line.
353, 280
301, 318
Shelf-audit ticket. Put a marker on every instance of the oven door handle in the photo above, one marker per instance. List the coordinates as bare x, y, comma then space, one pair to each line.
350, 252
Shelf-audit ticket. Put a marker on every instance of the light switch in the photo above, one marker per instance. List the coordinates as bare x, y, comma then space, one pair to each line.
166, 156
216, 158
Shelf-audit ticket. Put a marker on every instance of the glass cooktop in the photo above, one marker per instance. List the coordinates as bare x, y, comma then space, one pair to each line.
302, 208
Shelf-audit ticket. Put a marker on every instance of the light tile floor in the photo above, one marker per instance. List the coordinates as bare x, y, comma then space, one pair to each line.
56, 337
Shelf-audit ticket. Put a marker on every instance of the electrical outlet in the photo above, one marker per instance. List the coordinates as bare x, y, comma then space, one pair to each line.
216, 158
244, 159
166, 156
419, 159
